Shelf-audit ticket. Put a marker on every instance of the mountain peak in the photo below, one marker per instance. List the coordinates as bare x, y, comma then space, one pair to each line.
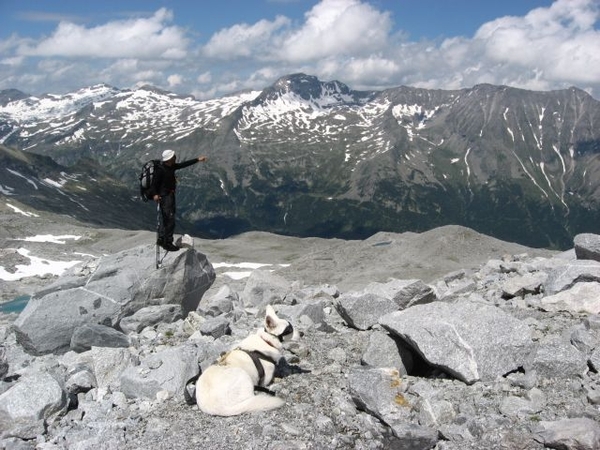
308, 157
310, 89
11, 95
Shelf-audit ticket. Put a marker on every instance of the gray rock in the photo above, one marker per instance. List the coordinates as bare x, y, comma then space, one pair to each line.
263, 288
120, 285
3, 363
447, 337
405, 293
22, 430
215, 327
594, 360
411, 436
523, 406
167, 370
576, 433
330, 401
95, 335
581, 297
221, 302
192, 323
362, 311
520, 286
108, 365
556, 357
385, 350
587, 246
564, 277
34, 397
182, 282
379, 392
308, 314
526, 380
150, 316
592, 322
584, 339
80, 380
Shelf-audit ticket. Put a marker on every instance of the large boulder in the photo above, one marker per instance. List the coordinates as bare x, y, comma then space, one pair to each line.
150, 316
95, 335
380, 392
167, 370
405, 293
579, 433
385, 350
36, 397
468, 340
264, 288
582, 297
565, 276
361, 311
587, 246
105, 291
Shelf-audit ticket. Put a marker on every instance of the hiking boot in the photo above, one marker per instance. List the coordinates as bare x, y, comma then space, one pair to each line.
170, 247
160, 242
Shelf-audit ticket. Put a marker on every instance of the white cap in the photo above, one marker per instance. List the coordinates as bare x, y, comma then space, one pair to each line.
167, 155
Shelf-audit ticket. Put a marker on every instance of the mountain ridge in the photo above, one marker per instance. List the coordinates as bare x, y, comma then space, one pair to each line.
311, 158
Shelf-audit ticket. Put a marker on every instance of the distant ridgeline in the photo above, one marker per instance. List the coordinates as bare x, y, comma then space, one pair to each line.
310, 158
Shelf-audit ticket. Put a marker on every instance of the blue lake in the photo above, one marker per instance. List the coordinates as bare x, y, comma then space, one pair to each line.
15, 306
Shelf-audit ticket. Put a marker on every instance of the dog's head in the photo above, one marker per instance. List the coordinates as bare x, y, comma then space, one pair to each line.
278, 327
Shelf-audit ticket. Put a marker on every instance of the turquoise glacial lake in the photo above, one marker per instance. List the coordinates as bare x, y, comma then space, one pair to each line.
15, 306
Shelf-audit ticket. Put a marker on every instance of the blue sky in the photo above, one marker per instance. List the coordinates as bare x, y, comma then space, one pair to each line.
212, 48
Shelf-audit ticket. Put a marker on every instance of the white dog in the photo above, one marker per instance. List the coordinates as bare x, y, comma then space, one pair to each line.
227, 387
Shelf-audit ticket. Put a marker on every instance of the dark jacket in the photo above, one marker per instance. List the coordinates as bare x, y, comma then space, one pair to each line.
165, 181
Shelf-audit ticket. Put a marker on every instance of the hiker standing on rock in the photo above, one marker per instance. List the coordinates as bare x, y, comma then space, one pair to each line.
163, 192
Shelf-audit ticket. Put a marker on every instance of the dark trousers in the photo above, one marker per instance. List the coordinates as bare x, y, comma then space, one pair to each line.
166, 227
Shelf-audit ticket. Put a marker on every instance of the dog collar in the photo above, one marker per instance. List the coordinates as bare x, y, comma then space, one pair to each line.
288, 330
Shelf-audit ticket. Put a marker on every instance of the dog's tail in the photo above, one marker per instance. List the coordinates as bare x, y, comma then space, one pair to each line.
255, 403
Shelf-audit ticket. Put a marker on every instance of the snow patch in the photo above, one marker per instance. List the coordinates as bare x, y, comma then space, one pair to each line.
20, 211
36, 267
50, 238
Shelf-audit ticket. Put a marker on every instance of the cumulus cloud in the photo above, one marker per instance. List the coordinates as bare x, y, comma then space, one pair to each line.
174, 80
243, 40
204, 78
338, 28
559, 42
353, 41
139, 38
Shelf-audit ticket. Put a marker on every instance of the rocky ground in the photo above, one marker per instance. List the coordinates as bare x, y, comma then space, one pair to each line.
551, 404
347, 264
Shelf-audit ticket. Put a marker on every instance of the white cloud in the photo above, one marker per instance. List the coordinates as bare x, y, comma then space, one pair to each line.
558, 43
14, 61
243, 40
349, 40
174, 80
204, 78
338, 27
135, 38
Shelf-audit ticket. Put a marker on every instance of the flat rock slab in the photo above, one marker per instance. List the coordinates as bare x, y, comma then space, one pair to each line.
468, 340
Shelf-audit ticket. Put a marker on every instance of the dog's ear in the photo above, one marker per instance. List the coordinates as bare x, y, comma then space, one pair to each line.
270, 318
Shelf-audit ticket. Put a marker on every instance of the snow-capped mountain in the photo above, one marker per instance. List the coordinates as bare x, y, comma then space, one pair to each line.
307, 157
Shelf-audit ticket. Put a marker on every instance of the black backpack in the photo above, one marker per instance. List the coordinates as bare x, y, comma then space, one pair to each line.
147, 178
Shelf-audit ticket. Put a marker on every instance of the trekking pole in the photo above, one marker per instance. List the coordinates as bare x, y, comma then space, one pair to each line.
158, 260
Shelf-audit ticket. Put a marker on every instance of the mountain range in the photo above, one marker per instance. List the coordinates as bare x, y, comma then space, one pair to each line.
305, 157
